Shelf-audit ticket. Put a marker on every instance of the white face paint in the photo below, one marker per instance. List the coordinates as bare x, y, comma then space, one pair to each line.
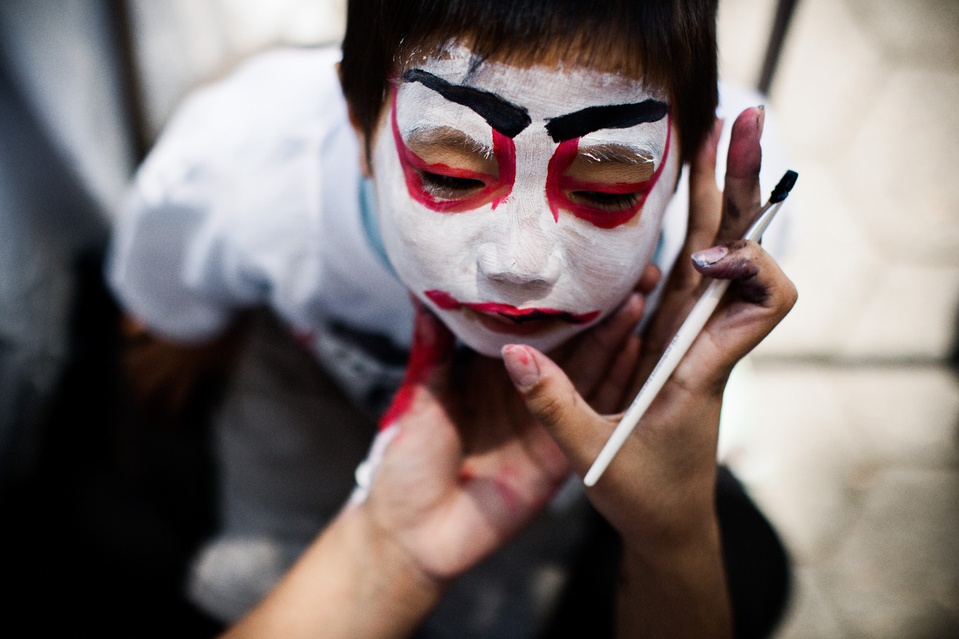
513, 223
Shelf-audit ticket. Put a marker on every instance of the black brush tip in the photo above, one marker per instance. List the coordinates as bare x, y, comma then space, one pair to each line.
784, 187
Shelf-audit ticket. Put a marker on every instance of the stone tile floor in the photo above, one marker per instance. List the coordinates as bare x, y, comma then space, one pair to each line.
844, 424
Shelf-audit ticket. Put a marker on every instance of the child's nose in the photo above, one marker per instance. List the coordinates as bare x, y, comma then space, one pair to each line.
528, 260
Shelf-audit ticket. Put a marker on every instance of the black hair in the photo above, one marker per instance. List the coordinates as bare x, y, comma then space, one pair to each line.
670, 43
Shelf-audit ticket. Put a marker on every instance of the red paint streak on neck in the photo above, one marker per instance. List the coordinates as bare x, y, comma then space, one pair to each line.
432, 344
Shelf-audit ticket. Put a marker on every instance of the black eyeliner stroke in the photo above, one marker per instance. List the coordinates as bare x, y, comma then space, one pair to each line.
506, 117
613, 116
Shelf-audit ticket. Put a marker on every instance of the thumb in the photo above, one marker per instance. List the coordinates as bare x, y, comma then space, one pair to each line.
553, 400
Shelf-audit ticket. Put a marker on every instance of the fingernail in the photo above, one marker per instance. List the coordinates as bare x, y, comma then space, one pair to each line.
708, 257
521, 366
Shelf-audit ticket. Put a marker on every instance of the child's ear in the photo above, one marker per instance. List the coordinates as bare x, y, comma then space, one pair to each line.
360, 133
364, 156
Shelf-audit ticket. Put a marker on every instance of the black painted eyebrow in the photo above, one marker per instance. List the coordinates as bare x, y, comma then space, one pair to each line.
613, 116
504, 116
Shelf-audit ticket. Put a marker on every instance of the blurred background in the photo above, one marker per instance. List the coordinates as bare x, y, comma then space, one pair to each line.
844, 424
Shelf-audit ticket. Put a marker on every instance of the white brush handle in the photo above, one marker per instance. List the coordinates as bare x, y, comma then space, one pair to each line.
673, 354
664, 368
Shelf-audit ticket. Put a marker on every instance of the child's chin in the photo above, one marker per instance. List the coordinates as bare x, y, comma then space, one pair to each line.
491, 343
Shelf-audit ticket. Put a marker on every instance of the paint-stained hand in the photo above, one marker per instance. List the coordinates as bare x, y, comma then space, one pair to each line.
662, 480
466, 466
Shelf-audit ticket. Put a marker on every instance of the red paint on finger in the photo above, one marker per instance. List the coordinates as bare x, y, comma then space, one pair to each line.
520, 366
524, 358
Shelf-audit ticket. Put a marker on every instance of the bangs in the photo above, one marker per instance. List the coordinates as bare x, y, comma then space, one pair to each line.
670, 44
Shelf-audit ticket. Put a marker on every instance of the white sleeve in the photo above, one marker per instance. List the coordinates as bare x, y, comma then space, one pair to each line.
158, 265
211, 207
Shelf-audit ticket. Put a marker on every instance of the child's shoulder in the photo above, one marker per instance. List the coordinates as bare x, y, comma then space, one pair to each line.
266, 112
267, 99
272, 77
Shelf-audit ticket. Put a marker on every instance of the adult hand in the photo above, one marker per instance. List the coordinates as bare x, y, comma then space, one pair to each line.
675, 444
658, 492
466, 466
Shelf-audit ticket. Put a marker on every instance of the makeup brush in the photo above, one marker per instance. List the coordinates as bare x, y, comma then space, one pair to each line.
684, 337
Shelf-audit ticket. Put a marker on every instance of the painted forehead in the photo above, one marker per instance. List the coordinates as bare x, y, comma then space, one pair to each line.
572, 103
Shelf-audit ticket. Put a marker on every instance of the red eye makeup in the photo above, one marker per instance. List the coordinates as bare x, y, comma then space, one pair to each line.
470, 178
602, 203
520, 203
448, 172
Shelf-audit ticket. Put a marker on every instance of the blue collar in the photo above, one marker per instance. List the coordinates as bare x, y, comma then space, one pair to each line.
370, 224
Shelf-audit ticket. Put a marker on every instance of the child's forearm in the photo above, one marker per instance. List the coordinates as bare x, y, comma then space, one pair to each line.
350, 584
167, 376
675, 589
673, 581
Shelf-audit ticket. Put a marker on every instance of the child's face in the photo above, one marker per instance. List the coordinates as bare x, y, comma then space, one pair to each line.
516, 202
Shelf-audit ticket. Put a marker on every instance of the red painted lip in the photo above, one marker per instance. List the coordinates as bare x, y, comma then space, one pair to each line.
505, 318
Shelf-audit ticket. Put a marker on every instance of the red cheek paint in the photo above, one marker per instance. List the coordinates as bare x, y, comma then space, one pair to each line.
432, 344
559, 186
496, 187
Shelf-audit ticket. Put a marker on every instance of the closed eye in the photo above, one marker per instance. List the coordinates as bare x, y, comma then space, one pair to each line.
447, 187
605, 201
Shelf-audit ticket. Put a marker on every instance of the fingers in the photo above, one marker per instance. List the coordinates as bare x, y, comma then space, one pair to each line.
705, 206
589, 360
759, 297
432, 347
714, 218
741, 194
649, 280
552, 399
611, 396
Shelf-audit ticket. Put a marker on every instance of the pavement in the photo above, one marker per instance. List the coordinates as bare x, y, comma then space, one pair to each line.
844, 423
